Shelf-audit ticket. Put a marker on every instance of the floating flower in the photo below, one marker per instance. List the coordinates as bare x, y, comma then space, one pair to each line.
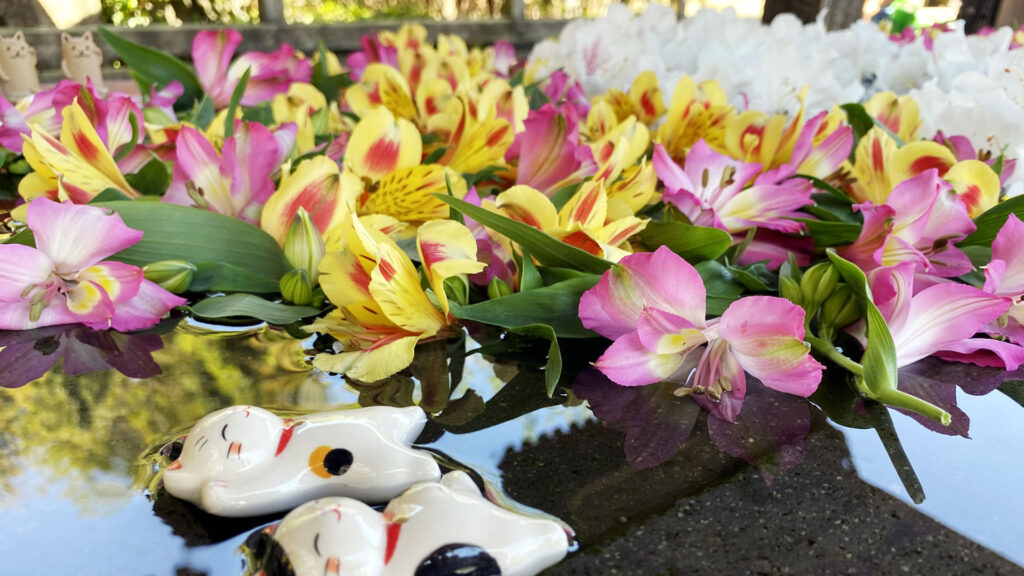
382, 310
549, 151
652, 305
65, 279
270, 73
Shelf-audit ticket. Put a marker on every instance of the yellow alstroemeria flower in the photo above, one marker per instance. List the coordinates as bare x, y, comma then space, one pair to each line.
697, 111
644, 100
319, 187
76, 167
900, 114
302, 104
382, 310
756, 137
381, 144
472, 145
381, 85
582, 222
407, 194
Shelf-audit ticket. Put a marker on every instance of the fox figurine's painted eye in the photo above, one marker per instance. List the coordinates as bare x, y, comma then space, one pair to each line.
441, 528
247, 461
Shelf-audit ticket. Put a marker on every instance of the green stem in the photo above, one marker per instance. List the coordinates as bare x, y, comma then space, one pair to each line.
826, 349
900, 399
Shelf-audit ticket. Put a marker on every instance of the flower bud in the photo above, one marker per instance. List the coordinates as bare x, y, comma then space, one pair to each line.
841, 308
296, 287
817, 284
304, 245
172, 275
19, 166
789, 289
498, 288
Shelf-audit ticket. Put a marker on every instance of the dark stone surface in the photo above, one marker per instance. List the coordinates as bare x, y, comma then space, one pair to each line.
705, 513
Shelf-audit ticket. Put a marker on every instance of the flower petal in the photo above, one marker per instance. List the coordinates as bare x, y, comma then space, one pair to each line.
380, 144
119, 280
446, 249
1008, 248
766, 335
76, 236
145, 309
629, 363
21, 267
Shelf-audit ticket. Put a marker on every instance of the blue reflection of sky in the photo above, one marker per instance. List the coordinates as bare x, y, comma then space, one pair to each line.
971, 485
48, 533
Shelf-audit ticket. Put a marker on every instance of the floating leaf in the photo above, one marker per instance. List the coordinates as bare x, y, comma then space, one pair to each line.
692, 243
219, 245
556, 305
553, 367
250, 306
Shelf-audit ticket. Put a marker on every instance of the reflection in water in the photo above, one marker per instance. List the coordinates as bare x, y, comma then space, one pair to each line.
71, 441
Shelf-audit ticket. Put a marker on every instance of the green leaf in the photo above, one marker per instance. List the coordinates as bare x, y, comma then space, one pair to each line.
828, 189
151, 67
859, 120
235, 102
529, 277
692, 243
564, 194
109, 195
992, 221
547, 250
126, 149
826, 234
879, 379
436, 155
556, 306
173, 232
221, 277
152, 180
249, 306
720, 285
260, 114
553, 368
330, 86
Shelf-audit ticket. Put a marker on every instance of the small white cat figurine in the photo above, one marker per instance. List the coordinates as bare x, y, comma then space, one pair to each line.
441, 528
18, 76
247, 461
82, 59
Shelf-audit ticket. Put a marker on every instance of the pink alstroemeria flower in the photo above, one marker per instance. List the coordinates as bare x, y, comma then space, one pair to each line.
43, 110
237, 181
717, 191
940, 320
1004, 276
824, 159
549, 150
920, 222
271, 72
65, 279
652, 305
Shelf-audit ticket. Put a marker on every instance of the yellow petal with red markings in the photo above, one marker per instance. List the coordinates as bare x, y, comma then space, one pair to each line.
916, 157
80, 137
871, 167
648, 102
977, 185
754, 136
446, 249
75, 168
407, 194
618, 232
600, 120
395, 286
696, 112
317, 186
900, 114
499, 100
386, 356
380, 144
634, 190
344, 279
588, 207
432, 97
483, 145
529, 206
381, 85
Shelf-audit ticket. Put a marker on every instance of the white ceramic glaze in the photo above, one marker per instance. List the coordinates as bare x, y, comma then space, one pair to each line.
18, 75
247, 461
82, 60
342, 536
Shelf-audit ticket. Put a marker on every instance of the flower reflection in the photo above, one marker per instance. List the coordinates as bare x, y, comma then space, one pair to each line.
768, 434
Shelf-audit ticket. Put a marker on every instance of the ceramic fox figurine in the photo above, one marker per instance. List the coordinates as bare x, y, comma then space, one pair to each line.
82, 59
18, 76
441, 528
247, 461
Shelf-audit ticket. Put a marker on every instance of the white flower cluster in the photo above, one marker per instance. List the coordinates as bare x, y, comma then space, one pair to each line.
971, 85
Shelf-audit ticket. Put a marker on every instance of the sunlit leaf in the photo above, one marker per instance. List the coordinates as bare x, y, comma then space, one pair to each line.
250, 306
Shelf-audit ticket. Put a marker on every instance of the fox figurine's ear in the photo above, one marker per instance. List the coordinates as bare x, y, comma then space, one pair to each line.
403, 425
460, 483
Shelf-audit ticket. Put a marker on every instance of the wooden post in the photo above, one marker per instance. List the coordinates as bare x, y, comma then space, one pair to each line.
1010, 14
518, 11
681, 9
23, 13
805, 10
843, 13
271, 11
979, 13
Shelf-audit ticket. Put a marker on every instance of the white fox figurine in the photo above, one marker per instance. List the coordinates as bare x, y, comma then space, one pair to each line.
247, 461
441, 528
